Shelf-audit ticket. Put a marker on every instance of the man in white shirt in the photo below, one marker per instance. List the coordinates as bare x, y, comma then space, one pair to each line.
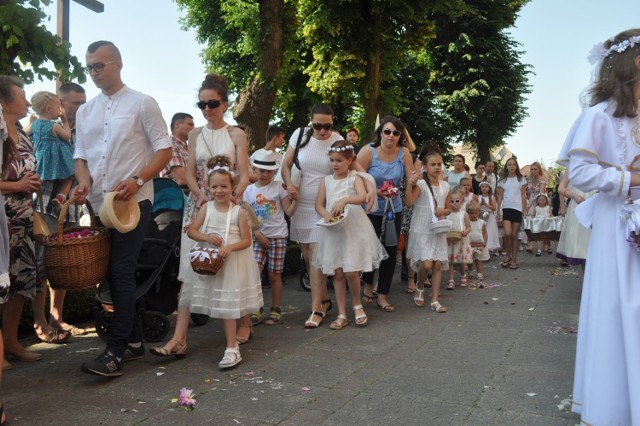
121, 145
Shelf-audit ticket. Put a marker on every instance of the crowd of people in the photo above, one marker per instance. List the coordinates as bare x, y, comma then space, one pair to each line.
351, 209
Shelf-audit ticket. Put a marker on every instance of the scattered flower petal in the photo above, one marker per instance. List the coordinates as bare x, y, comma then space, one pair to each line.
186, 398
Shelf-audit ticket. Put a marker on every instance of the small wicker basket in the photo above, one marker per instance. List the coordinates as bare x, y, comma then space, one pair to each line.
454, 237
76, 263
206, 265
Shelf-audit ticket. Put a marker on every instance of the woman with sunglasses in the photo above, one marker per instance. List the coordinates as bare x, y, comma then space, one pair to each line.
215, 138
386, 159
312, 159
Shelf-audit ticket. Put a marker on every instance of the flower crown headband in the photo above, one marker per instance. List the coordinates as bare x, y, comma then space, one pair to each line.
598, 52
339, 148
223, 168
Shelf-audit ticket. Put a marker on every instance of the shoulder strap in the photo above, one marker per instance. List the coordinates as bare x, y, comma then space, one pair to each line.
226, 232
295, 153
194, 134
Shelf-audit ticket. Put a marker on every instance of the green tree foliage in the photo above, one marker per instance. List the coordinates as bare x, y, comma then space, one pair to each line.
477, 73
446, 68
359, 45
28, 50
421, 111
246, 42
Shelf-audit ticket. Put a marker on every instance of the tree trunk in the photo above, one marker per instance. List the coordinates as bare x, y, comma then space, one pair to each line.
255, 102
484, 153
372, 95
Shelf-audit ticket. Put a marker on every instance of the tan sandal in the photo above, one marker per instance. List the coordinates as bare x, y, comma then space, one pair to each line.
179, 350
242, 339
437, 307
340, 322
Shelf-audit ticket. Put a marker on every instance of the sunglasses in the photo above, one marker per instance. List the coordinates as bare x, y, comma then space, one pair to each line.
456, 201
318, 126
389, 131
97, 67
212, 104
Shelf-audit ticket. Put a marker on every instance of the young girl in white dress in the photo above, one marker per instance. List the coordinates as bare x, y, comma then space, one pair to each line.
478, 238
344, 250
459, 252
574, 238
542, 209
466, 189
427, 251
488, 213
602, 151
235, 291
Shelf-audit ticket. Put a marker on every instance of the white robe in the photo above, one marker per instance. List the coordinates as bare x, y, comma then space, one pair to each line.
607, 373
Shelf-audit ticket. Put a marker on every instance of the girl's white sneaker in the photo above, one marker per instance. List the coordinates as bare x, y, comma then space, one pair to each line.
231, 358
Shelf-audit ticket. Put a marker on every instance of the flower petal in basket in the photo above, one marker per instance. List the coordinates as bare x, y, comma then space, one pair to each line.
337, 222
118, 214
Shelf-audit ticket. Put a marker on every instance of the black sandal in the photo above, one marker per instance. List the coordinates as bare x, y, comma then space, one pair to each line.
366, 298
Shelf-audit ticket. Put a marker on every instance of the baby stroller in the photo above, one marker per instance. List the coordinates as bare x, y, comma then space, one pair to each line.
157, 284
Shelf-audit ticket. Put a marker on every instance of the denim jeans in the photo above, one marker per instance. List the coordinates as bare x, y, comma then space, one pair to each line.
125, 249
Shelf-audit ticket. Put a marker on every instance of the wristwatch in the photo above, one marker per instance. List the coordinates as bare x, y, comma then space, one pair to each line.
138, 180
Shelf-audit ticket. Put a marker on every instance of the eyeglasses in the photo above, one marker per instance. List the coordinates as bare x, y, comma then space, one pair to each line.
97, 67
389, 131
319, 126
211, 103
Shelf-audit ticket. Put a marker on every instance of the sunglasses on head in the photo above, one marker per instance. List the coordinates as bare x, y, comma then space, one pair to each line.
318, 126
389, 131
212, 104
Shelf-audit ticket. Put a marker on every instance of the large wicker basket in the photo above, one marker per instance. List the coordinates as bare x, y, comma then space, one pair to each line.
542, 229
76, 263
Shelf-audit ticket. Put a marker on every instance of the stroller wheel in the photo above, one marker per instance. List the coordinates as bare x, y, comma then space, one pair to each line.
305, 282
199, 319
155, 326
103, 324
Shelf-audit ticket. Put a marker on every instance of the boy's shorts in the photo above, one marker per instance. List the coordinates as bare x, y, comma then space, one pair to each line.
273, 255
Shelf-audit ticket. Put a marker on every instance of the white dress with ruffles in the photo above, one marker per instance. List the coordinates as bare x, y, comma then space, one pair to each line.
423, 244
210, 142
235, 291
354, 247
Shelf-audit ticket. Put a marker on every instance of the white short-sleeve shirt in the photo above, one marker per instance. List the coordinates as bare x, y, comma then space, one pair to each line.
118, 135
